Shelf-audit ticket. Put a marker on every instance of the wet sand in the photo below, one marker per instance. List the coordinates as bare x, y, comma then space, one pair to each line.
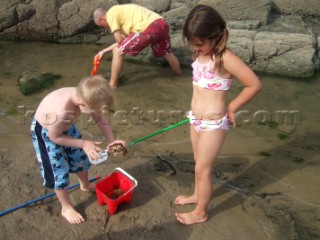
266, 180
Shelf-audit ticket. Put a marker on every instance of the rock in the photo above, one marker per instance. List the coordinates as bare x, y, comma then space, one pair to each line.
317, 61
285, 54
176, 17
44, 24
70, 17
106, 40
80, 38
76, 16
8, 18
245, 24
309, 7
157, 6
25, 11
286, 24
296, 64
244, 10
31, 81
241, 42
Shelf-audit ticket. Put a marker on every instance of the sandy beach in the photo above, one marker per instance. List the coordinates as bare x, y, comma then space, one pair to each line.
266, 180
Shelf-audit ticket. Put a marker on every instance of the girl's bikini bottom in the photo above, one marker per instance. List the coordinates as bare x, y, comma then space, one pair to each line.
208, 125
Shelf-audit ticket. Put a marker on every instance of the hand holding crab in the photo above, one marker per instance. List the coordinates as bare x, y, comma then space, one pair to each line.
117, 147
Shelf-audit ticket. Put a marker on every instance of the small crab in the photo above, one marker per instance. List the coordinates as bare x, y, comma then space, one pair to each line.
115, 193
118, 149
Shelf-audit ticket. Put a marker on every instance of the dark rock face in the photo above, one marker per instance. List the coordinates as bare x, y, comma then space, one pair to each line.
273, 36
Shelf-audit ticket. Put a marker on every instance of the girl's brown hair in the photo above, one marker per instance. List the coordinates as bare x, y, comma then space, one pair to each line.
204, 22
95, 92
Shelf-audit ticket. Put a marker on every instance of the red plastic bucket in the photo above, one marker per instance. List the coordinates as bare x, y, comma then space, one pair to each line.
115, 189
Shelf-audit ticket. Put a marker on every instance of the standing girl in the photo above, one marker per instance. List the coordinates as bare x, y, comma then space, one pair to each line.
214, 66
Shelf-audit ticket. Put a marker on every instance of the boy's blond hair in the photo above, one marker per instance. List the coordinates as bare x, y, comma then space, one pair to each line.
95, 92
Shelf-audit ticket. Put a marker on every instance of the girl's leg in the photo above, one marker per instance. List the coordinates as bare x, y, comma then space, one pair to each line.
84, 181
68, 211
208, 147
185, 199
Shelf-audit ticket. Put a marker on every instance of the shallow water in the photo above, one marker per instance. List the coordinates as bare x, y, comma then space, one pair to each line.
281, 151
151, 97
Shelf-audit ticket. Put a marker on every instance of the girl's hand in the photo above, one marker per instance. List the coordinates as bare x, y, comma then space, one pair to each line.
92, 149
232, 115
118, 146
232, 118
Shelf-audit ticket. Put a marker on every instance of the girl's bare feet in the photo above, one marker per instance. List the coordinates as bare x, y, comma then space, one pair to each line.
72, 216
191, 218
183, 200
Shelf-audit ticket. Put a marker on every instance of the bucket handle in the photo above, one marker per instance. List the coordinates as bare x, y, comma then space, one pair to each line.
130, 177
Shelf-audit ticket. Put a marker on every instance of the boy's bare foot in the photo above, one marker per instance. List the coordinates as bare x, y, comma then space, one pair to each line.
72, 216
191, 218
88, 188
183, 200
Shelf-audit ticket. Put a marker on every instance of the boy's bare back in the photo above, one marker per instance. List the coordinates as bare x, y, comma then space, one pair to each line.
58, 108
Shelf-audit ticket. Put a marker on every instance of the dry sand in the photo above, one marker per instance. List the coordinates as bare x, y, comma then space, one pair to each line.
264, 187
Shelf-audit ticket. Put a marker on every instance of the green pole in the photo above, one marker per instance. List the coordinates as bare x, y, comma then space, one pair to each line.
159, 131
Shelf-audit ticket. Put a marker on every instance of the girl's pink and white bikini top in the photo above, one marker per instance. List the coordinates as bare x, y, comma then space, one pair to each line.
203, 77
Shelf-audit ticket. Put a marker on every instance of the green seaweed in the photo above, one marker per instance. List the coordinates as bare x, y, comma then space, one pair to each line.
298, 160
45, 81
51, 77
122, 79
282, 136
12, 111
264, 154
7, 74
112, 111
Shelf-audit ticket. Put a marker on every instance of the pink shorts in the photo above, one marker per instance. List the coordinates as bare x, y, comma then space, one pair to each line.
156, 36
208, 125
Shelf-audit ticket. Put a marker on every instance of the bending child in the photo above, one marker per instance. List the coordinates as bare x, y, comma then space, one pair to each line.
58, 144
134, 28
214, 66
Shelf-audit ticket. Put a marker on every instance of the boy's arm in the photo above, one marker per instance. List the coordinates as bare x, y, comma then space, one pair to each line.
56, 135
106, 129
104, 126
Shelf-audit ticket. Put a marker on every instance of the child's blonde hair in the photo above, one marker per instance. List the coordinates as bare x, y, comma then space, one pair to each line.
95, 92
204, 22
